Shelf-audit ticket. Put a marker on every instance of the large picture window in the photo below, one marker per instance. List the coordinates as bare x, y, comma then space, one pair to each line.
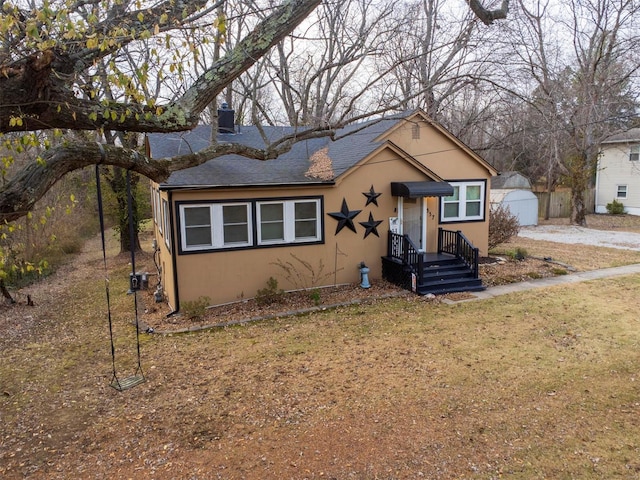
466, 203
215, 225
288, 221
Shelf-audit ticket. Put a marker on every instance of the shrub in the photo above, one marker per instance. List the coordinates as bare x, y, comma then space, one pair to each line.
503, 225
615, 208
270, 294
302, 273
195, 309
520, 253
315, 296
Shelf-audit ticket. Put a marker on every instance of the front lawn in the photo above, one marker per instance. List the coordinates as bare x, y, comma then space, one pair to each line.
540, 384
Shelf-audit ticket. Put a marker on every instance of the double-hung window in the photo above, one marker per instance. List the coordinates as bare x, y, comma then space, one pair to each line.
235, 224
634, 153
288, 221
466, 203
215, 225
621, 191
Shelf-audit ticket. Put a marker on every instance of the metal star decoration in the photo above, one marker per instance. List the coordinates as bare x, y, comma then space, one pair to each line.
345, 217
372, 196
371, 226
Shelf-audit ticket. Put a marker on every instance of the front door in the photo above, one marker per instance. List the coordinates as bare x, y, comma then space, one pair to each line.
413, 221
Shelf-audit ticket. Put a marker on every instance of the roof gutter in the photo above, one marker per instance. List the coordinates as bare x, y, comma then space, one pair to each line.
625, 141
167, 188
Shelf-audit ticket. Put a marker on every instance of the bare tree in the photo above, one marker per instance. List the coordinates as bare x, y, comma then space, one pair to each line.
45, 52
602, 96
321, 76
576, 97
436, 52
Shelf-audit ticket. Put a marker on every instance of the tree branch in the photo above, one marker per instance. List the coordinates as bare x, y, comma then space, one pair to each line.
489, 16
30, 184
51, 103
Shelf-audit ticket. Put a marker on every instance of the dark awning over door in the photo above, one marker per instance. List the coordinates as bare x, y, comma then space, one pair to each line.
421, 189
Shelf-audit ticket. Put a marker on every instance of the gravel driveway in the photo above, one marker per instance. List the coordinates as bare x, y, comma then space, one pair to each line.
586, 236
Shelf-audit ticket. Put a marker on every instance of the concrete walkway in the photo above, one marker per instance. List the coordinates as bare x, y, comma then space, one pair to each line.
491, 292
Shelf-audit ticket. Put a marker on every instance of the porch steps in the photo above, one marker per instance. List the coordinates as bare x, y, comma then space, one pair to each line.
447, 275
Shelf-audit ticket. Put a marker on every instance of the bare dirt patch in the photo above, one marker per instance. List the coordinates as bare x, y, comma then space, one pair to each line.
158, 316
498, 270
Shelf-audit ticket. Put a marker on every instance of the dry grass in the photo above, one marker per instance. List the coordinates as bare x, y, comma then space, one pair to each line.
581, 257
540, 384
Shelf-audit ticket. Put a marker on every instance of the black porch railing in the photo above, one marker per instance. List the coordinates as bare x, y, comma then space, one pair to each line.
455, 243
402, 248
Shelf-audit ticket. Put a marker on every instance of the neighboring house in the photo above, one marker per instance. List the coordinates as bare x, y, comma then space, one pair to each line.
377, 195
513, 191
618, 172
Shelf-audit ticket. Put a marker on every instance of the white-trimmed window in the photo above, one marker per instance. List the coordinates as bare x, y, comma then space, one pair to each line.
288, 221
152, 194
634, 153
156, 209
216, 225
466, 203
165, 222
621, 191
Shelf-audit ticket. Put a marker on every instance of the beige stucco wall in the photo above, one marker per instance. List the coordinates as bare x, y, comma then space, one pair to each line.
164, 258
452, 162
443, 155
227, 276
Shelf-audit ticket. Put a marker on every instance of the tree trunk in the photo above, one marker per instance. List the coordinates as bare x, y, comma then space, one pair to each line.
550, 188
5, 292
578, 208
118, 182
125, 238
579, 177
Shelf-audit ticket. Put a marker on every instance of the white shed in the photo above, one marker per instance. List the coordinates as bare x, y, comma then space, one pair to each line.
522, 203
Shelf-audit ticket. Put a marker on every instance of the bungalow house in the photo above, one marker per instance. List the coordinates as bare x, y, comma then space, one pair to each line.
400, 195
618, 172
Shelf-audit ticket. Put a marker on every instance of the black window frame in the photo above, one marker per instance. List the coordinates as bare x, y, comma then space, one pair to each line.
253, 206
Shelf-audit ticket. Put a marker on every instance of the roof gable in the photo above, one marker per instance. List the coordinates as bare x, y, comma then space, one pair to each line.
399, 153
420, 115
